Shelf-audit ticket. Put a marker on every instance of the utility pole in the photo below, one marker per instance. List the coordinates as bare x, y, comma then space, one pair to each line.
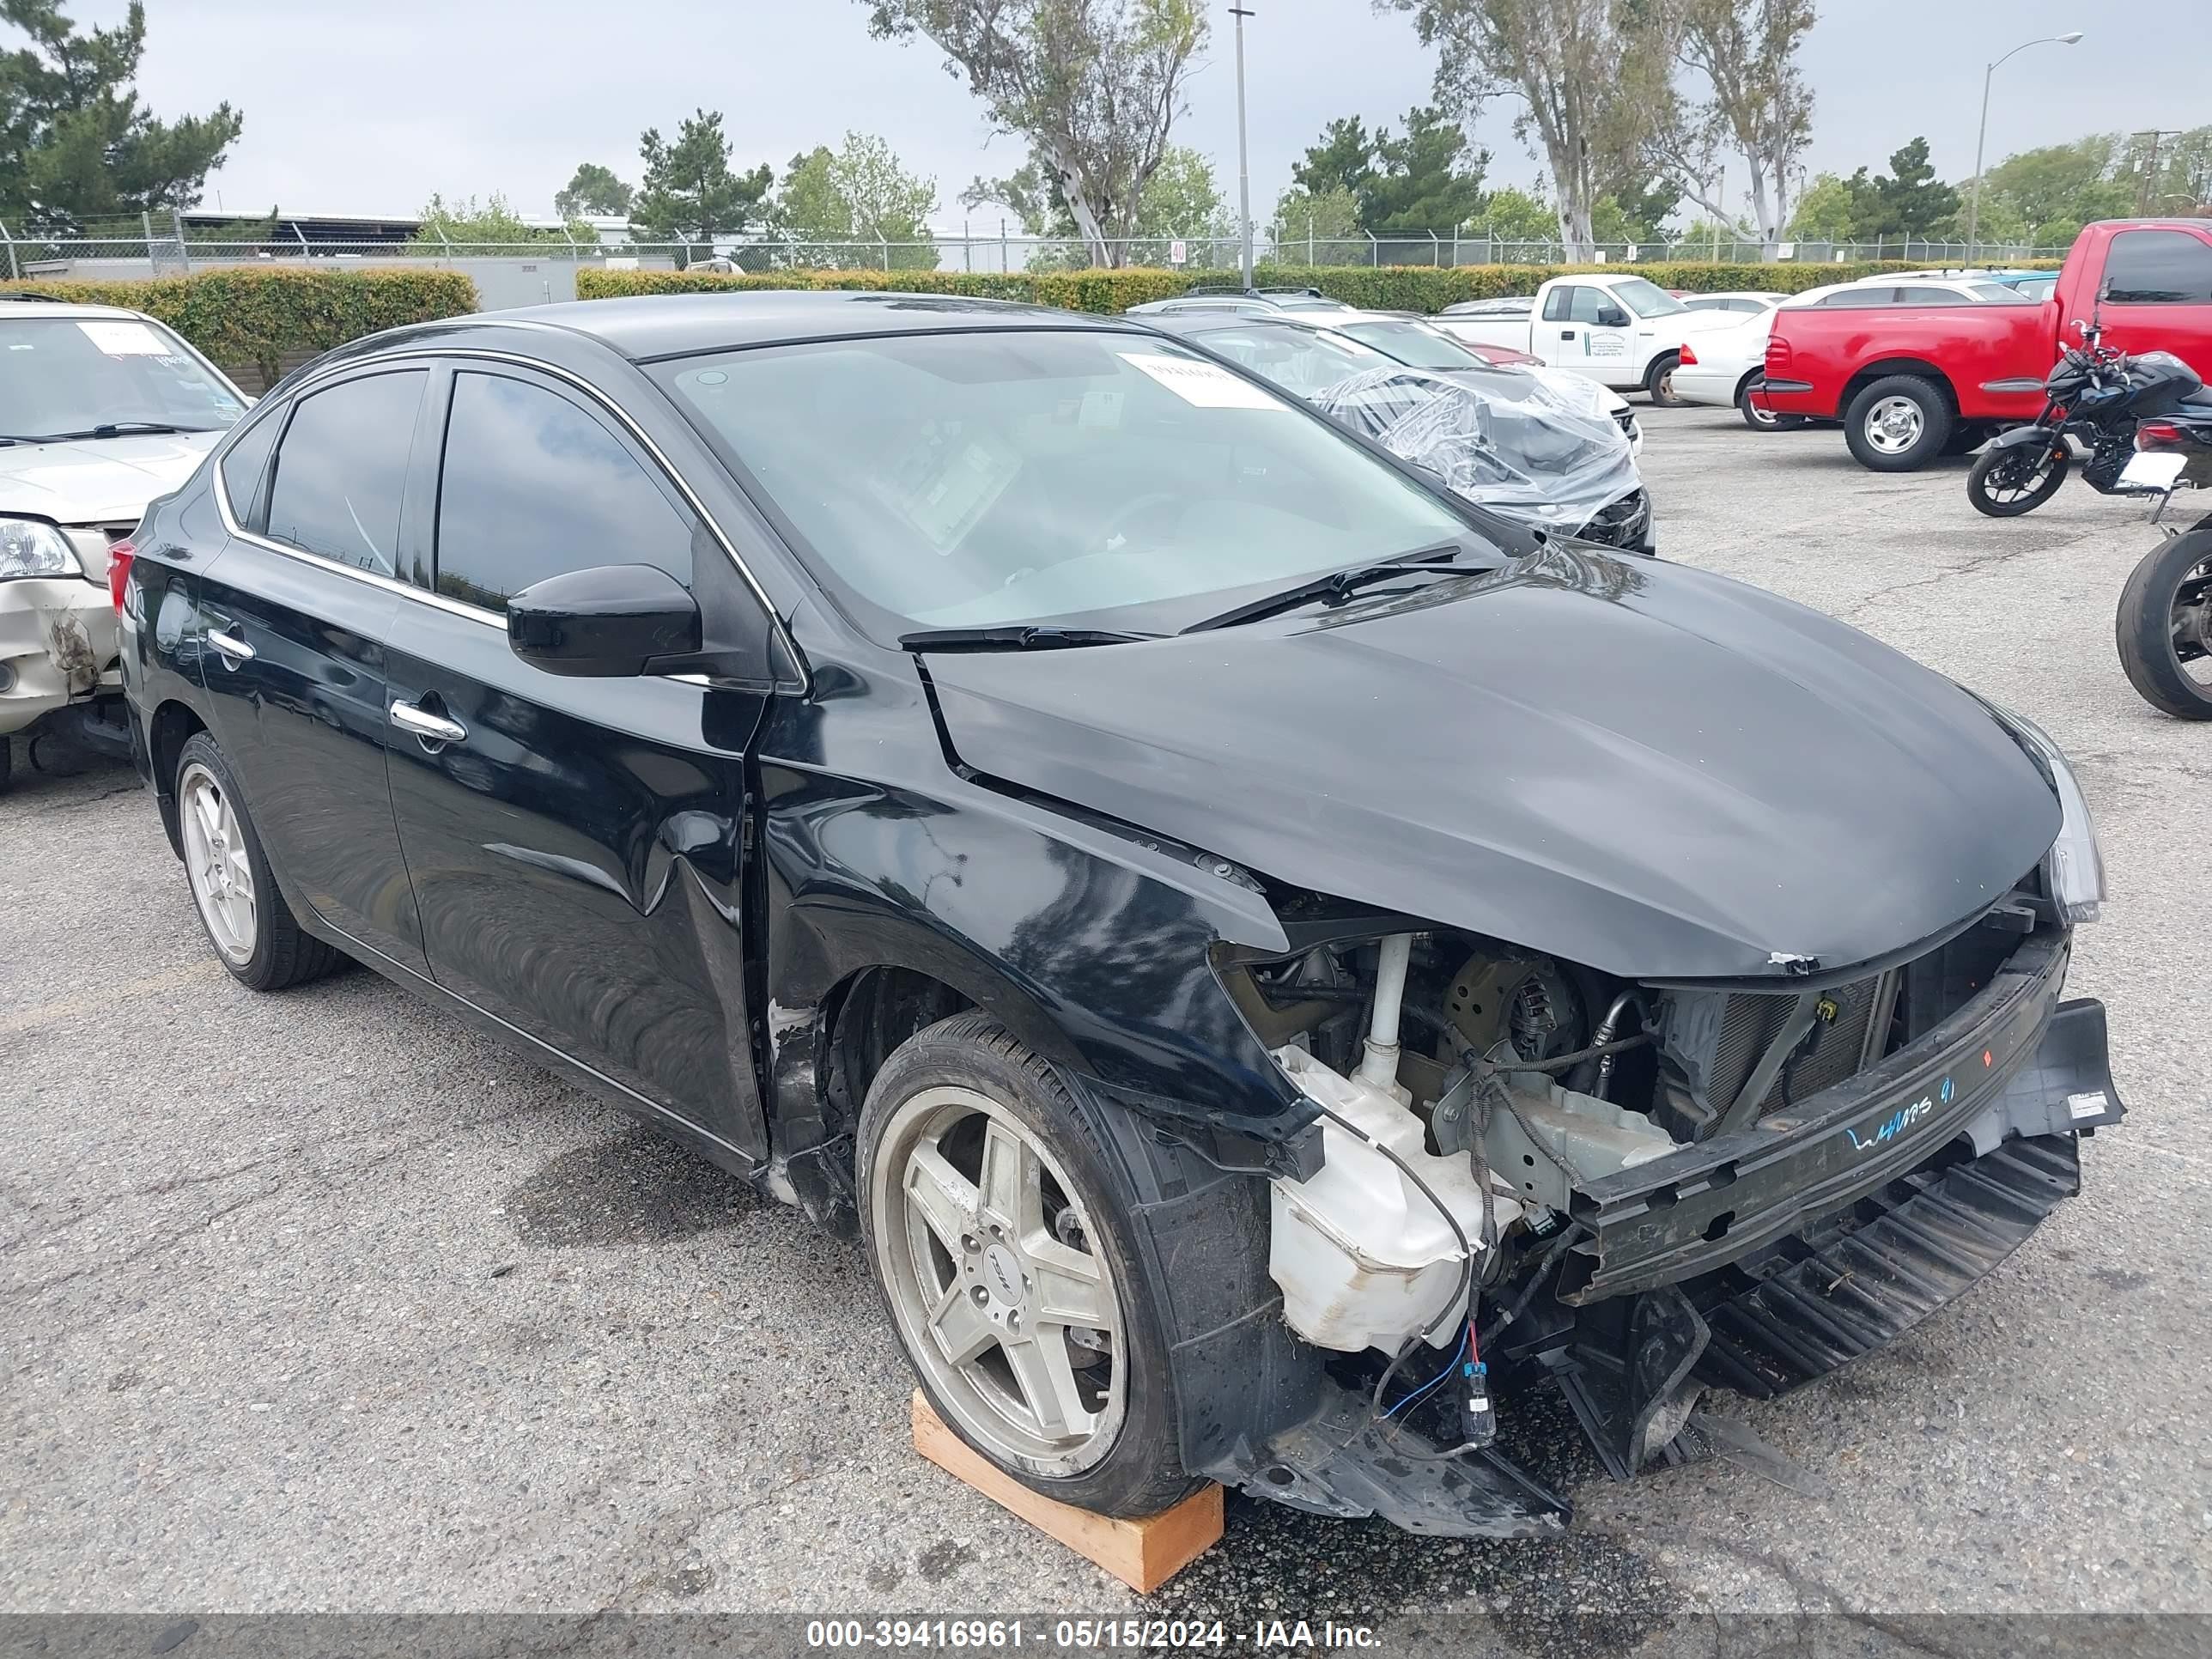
2145, 199
1243, 157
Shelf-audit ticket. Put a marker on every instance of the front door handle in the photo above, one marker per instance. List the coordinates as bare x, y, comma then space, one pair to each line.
1566, 334
233, 650
431, 728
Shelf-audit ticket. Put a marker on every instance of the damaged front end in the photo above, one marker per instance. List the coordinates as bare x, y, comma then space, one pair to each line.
1530, 1171
60, 673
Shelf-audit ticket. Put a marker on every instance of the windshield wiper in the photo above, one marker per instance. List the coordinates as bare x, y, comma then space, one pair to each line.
115, 429
1336, 587
1016, 636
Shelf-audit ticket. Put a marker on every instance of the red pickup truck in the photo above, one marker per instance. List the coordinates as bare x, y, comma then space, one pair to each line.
1911, 382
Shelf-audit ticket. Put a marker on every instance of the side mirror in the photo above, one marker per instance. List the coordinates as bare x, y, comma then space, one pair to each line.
1612, 317
612, 621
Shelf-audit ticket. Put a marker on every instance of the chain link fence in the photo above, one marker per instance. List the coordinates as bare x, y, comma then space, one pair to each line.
544, 268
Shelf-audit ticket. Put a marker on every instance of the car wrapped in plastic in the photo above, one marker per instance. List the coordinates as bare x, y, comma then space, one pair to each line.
1507, 440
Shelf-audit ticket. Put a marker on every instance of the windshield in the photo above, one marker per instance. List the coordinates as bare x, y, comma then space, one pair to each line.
1646, 298
1410, 343
70, 375
1069, 476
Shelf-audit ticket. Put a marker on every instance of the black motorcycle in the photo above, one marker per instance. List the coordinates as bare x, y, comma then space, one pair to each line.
2164, 628
2097, 395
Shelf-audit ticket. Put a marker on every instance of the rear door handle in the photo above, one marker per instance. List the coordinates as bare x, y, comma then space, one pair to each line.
235, 650
432, 728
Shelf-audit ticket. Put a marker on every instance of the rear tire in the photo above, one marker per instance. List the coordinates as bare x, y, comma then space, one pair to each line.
2006, 483
1898, 423
1659, 381
2164, 613
254, 931
7, 761
972, 1269
1760, 420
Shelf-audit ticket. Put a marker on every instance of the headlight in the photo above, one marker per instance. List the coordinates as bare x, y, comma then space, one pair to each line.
32, 547
2074, 868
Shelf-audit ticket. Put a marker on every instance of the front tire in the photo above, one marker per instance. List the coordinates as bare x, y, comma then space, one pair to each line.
2164, 627
1659, 381
254, 931
997, 1222
2006, 483
1898, 423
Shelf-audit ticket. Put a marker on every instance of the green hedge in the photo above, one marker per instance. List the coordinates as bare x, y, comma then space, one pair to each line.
1387, 287
1073, 290
264, 319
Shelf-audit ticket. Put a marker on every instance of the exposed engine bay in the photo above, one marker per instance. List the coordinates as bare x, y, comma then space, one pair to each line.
1470, 1091
1640, 1190
1439, 1063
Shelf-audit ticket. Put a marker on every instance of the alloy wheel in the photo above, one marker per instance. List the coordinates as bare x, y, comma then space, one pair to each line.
1002, 1295
2020, 476
1894, 425
215, 862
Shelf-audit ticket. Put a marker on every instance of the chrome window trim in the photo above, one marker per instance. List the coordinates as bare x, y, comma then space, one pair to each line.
426, 354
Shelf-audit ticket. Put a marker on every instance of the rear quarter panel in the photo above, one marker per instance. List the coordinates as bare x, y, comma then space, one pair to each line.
1974, 348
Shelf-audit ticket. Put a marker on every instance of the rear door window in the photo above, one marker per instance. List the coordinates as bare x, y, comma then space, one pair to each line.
534, 486
342, 470
1559, 302
1913, 296
2159, 267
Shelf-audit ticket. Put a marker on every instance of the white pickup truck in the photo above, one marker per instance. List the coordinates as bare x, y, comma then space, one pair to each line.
1623, 332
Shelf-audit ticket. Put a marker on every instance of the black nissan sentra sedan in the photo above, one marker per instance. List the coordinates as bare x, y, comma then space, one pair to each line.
1258, 949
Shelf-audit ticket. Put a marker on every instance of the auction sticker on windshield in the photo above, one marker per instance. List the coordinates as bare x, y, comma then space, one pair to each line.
1206, 385
126, 339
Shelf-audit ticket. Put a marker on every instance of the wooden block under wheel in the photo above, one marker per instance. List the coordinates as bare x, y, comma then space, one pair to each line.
1144, 1554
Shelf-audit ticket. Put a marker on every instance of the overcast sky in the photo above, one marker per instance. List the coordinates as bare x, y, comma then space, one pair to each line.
368, 109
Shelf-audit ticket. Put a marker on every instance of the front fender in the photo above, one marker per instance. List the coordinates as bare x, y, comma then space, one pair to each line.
1091, 945
2020, 436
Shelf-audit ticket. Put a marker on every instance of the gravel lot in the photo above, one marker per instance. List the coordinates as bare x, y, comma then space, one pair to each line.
322, 1302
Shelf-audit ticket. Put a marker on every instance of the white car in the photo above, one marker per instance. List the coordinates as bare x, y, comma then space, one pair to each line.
1622, 330
1723, 368
101, 409
1744, 302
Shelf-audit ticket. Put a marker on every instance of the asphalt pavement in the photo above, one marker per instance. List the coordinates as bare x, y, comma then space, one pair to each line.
322, 1302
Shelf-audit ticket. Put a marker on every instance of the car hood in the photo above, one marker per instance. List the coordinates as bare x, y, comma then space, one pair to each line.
98, 480
1641, 767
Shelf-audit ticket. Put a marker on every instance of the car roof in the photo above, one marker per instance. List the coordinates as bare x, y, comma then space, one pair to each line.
646, 326
39, 305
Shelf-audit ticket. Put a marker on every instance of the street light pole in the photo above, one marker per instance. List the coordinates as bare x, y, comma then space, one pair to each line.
1243, 159
1974, 202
